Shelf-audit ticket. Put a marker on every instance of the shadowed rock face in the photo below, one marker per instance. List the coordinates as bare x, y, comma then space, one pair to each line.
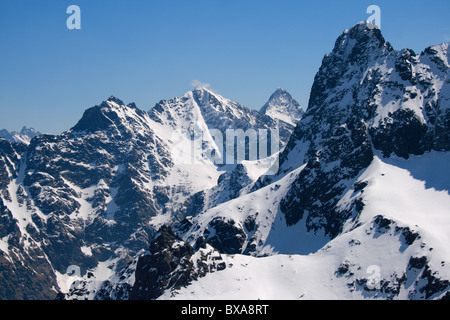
170, 263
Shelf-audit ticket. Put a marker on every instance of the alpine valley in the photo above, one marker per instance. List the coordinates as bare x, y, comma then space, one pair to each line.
358, 207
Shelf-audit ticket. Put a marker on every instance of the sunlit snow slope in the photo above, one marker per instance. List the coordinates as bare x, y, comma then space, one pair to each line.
400, 235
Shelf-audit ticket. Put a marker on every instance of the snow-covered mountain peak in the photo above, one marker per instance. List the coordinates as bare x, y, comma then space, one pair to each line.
114, 115
280, 95
359, 42
439, 55
213, 103
202, 90
280, 91
205, 97
393, 100
115, 100
282, 106
362, 29
202, 104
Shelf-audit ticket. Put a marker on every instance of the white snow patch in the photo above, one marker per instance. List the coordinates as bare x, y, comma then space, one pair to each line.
86, 250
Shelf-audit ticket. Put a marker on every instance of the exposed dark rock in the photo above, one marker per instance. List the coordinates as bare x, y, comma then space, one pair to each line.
170, 264
225, 236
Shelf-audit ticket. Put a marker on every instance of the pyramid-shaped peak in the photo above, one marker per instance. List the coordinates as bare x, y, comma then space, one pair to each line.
204, 95
282, 106
280, 92
202, 90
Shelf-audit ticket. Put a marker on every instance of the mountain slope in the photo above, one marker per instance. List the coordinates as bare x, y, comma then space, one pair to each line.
403, 244
86, 197
220, 113
206, 115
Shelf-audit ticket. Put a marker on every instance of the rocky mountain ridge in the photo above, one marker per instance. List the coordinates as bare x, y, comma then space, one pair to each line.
94, 196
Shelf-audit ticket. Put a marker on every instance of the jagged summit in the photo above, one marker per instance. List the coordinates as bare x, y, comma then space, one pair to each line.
204, 97
115, 100
202, 105
282, 106
359, 44
95, 118
113, 114
279, 93
362, 30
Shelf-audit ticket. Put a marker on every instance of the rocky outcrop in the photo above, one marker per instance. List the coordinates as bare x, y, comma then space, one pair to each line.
171, 263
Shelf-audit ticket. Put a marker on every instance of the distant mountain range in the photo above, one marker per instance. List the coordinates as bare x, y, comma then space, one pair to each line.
357, 208
24, 136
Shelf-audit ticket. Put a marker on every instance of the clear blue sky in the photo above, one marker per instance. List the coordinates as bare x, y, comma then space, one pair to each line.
143, 51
